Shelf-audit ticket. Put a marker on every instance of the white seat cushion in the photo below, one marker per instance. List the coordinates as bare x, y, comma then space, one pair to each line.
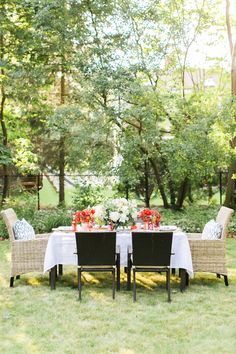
23, 230
212, 231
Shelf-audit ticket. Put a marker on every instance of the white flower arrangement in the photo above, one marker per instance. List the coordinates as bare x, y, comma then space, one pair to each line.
118, 212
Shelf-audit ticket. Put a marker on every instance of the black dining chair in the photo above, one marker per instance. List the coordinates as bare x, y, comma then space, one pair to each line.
96, 252
151, 253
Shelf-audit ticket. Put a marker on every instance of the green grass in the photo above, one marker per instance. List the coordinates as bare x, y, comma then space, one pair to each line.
49, 197
34, 319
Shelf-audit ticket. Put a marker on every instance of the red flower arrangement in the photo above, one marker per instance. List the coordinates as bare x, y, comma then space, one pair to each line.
85, 216
150, 216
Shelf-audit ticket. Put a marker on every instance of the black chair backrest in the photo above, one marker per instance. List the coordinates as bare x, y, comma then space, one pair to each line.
96, 248
152, 248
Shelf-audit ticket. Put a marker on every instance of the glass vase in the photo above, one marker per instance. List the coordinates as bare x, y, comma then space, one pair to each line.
74, 225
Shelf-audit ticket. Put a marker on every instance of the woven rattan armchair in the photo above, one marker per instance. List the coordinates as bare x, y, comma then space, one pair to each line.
209, 255
26, 255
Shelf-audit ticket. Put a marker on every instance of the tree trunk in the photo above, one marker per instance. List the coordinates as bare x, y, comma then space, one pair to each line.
3, 125
190, 196
183, 190
62, 148
159, 183
172, 193
228, 26
230, 196
62, 171
5, 142
233, 71
230, 188
210, 191
127, 190
147, 194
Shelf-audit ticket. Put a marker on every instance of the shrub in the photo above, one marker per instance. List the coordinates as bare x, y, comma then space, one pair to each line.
24, 205
85, 196
42, 220
46, 220
190, 219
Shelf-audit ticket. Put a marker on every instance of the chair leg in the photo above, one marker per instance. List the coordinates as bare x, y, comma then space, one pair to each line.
129, 272
118, 271
52, 278
18, 277
11, 282
187, 279
218, 275
60, 271
134, 285
226, 280
168, 284
173, 271
113, 284
79, 282
183, 279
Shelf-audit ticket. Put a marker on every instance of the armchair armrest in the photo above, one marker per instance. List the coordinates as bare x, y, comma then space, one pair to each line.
28, 255
30, 243
207, 249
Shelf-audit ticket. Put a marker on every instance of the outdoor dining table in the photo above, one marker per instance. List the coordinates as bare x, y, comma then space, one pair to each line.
61, 250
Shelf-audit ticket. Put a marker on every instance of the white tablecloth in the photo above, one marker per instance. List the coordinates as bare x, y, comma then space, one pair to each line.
61, 249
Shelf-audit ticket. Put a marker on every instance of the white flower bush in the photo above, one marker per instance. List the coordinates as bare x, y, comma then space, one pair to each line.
119, 212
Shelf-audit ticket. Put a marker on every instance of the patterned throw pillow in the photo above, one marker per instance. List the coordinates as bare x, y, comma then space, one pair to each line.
23, 230
212, 231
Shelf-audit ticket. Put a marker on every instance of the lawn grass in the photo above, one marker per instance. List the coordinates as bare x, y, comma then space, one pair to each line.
49, 197
34, 319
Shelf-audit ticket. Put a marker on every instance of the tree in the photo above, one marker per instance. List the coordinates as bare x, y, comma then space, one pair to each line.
230, 198
18, 82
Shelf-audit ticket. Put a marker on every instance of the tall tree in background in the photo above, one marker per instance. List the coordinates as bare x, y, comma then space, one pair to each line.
59, 25
230, 198
18, 83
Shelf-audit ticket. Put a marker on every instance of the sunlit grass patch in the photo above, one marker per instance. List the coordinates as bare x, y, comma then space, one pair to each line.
34, 319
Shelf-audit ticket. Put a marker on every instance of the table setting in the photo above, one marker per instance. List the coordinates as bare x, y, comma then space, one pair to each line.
118, 215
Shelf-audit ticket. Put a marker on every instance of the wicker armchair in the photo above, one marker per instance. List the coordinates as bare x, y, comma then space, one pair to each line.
209, 255
26, 256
